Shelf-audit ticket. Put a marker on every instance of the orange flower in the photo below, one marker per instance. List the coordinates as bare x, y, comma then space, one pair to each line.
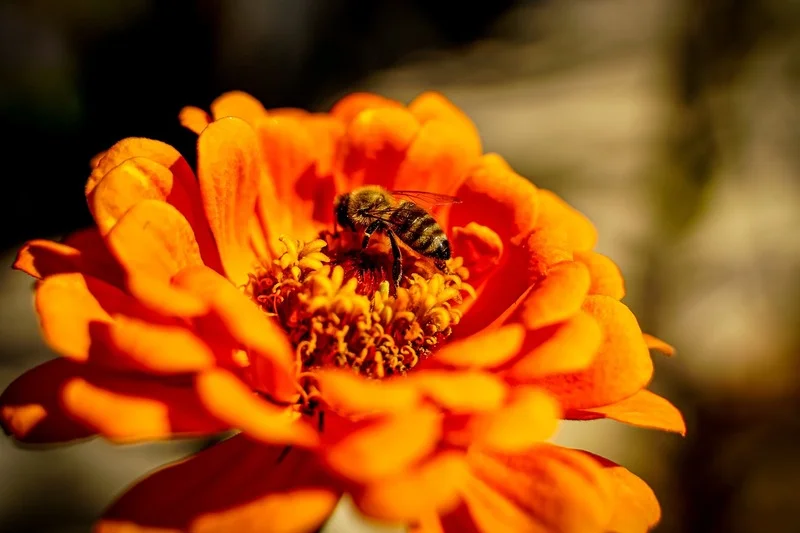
224, 301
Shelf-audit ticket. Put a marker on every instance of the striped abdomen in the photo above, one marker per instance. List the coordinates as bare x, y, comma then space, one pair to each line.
419, 230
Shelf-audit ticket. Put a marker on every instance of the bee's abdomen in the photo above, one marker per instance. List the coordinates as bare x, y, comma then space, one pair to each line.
420, 231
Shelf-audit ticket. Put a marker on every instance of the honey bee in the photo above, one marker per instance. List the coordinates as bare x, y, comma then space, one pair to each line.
374, 209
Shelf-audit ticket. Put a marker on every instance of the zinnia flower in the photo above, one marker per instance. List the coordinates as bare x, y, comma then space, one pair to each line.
223, 300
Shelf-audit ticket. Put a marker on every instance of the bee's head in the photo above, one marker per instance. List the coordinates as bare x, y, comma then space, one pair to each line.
341, 210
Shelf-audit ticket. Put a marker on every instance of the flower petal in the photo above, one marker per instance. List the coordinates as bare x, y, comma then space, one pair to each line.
484, 349
621, 367
643, 409
239, 322
480, 247
530, 417
654, 343
459, 392
238, 104
194, 119
232, 402
349, 107
546, 489
564, 347
381, 447
229, 173
433, 486
438, 159
636, 508
152, 239
605, 274
556, 297
346, 392
125, 149
555, 214
376, 142
127, 409
31, 410
495, 196
432, 105
243, 486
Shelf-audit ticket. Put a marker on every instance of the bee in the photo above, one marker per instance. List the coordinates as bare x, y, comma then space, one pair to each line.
374, 209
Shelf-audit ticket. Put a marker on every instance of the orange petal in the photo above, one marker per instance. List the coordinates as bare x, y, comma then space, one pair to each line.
238, 104
643, 409
565, 347
125, 149
433, 486
349, 107
555, 298
229, 172
459, 392
427, 522
30, 408
244, 486
495, 196
485, 349
375, 145
621, 367
438, 159
194, 119
657, 344
546, 489
636, 508
154, 240
346, 392
434, 106
243, 324
555, 213
371, 449
530, 417
232, 402
126, 409
481, 248
605, 274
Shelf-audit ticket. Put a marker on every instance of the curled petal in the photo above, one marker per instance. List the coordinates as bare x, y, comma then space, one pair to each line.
605, 274
485, 349
530, 417
154, 240
31, 410
238, 104
643, 409
621, 367
433, 486
243, 485
229, 173
230, 401
377, 448
347, 393
556, 214
481, 248
556, 297
565, 347
157, 151
194, 119
83, 252
546, 489
126, 409
432, 105
349, 107
375, 145
654, 343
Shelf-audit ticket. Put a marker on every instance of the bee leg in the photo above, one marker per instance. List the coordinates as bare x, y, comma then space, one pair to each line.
372, 228
441, 265
397, 263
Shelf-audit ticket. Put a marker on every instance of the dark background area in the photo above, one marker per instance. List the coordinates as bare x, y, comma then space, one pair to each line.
673, 124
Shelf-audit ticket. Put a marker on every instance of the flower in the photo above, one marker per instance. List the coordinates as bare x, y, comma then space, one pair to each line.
225, 301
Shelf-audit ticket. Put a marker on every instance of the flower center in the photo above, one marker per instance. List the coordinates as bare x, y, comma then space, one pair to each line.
340, 310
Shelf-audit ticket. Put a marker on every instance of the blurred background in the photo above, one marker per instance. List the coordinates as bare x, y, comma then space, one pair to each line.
673, 124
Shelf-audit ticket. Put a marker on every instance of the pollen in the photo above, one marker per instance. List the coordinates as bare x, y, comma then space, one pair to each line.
339, 310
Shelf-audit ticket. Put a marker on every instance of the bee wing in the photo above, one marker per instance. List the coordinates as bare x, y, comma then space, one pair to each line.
424, 198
